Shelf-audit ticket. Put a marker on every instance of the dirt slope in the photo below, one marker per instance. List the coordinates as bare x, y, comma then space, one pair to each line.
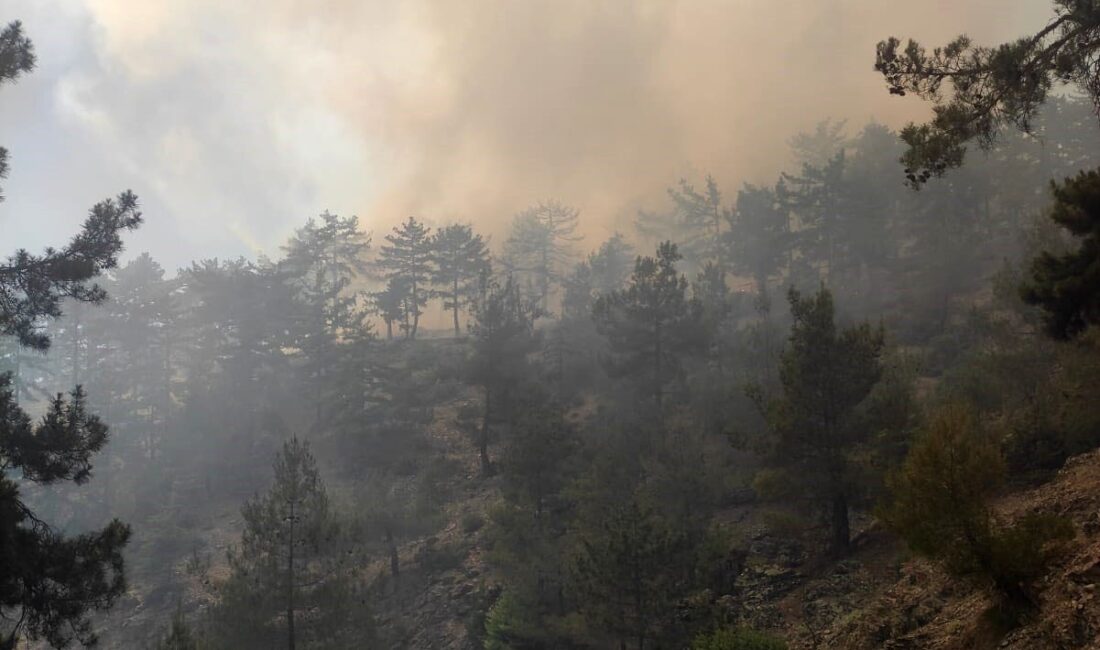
894, 605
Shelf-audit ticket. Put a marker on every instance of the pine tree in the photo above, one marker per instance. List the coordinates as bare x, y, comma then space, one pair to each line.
389, 304
528, 531
407, 258
820, 146
540, 247
991, 87
825, 374
628, 573
243, 322
16, 58
1067, 286
820, 198
611, 264
460, 256
503, 332
144, 317
50, 583
293, 573
704, 222
322, 259
572, 343
651, 323
179, 635
760, 235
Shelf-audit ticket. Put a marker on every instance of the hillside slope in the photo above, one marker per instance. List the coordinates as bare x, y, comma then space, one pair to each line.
913, 604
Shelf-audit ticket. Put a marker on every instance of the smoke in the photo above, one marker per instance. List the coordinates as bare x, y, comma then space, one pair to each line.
236, 121
605, 104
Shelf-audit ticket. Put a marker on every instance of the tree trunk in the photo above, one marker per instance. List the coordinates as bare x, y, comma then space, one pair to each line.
483, 436
76, 351
408, 327
840, 526
290, 586
454, 305
657, 392
415, 310
395, 563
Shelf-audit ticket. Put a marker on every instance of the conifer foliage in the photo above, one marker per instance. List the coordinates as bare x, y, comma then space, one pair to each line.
406, 260
942, 507
461, 258
50, 583
825, 372
1067, 286
652, 323
292, 582
991, 87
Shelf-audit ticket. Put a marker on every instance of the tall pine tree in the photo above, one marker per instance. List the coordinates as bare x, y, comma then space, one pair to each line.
407, 259
540, 246
461, 256
825, 372
651, 323
292, 581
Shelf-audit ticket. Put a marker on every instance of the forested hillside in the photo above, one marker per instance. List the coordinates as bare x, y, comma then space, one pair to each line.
830, 411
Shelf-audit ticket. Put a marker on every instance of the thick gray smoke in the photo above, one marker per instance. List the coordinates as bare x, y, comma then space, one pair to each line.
235, 122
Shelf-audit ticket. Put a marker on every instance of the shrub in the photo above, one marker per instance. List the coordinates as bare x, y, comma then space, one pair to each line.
941, 507
439, 559
472, 522
738, 639
509, 623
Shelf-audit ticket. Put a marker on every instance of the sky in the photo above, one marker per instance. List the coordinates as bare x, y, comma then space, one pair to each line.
236, 121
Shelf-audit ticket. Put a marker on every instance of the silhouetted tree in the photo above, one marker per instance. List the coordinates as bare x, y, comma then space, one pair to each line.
16, 57
322, 259
389, 303
704, 222
49, 583
825, 374
179, 635
294, 565
540, 246
626, 572
407, 258
651, 323
460, 257
760, 235
1067, 286
503, 333
991, 87
611, 264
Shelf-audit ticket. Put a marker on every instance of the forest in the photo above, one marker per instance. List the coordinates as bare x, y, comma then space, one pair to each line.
853, 407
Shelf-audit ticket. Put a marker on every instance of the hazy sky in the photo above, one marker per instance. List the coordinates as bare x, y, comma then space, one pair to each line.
236, 120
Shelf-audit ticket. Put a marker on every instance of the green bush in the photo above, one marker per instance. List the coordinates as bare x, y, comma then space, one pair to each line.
942, 508
472, 522
439, 559
1020, 554
738, 639
508, 623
